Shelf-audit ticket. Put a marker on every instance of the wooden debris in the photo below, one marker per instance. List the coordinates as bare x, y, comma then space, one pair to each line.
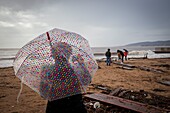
150, 69
141, 96
125, 103
159, 90
162, 65
167, 83
101, 87
130, 67
115, 92
126, 68
125, 65
122, 93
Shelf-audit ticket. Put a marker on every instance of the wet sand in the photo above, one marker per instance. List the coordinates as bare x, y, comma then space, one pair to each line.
112, 76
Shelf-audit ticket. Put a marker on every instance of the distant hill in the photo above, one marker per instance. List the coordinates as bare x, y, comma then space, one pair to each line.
155, 43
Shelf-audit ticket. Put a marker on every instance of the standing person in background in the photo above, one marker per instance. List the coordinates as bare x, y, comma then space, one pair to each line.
108, 56
125, 53
120, 55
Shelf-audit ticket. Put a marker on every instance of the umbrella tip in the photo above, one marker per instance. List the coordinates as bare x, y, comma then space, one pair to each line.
48, 35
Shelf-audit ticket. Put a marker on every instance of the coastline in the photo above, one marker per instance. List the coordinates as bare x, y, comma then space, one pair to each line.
8, 54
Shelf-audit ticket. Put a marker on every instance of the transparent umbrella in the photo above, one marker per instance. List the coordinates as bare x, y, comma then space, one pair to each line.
56, 64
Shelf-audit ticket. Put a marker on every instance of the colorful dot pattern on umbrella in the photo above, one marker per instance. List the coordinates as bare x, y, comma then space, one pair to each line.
60, 67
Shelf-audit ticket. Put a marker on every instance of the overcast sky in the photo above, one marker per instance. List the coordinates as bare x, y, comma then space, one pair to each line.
104, 23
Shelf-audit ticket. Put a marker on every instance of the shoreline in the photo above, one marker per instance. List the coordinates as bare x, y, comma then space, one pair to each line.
113, 58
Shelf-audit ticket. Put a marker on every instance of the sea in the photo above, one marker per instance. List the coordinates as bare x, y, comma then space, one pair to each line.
7, 55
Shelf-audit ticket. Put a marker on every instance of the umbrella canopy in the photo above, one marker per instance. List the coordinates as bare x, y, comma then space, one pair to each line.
56, 64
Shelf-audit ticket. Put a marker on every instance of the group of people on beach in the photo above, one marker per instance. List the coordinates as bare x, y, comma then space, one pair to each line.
121, 56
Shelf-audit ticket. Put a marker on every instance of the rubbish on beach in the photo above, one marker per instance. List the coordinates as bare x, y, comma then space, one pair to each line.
96, 105
125, 103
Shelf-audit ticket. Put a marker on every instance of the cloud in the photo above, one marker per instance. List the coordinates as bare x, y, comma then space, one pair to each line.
6, 24
4, 11
20, 19
26, 25
25, 15
103, 23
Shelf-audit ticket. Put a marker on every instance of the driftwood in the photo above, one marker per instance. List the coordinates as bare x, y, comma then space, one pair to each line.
139, 96
125, 65
101, 87
130, 67
115, 92
125, 103
127, 68
122, 93
150, 69
167, 83
162, 65
159, 90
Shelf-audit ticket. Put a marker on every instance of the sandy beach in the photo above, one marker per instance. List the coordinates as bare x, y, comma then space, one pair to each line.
146, 76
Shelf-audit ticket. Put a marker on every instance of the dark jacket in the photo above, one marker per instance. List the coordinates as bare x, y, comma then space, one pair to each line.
121, 52
108, 54
72, 104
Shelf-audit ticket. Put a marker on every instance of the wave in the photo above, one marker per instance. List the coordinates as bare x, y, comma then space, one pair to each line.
139, 54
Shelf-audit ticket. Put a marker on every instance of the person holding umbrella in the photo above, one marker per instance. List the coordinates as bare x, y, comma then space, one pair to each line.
58, 65
70, 103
